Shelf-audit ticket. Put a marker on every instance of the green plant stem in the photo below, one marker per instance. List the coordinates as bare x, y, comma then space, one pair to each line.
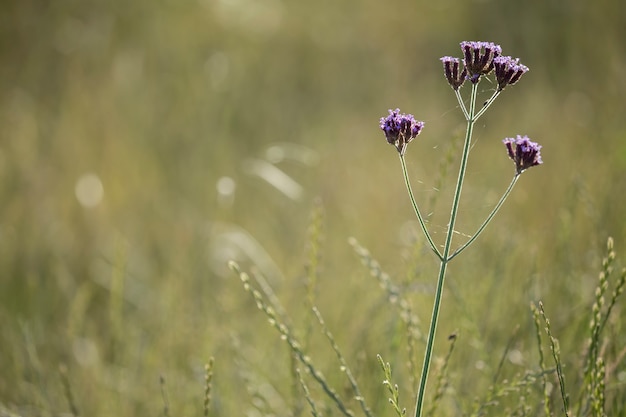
487, 104
457, 93
416, 209
488, 219
446, 252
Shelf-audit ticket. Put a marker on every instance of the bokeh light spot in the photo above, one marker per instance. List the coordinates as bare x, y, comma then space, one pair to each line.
89, 190
226, 191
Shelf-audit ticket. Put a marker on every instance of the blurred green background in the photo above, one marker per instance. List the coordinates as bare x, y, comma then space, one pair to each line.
144, 144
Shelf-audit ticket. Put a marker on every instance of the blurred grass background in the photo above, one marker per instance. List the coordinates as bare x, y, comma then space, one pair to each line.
144, 144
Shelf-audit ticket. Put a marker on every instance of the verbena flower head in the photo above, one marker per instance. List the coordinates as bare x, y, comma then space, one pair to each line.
523, 152
478, 58
508, 70
451, 67
400, 129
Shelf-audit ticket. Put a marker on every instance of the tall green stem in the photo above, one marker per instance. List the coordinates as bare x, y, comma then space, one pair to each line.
446, 254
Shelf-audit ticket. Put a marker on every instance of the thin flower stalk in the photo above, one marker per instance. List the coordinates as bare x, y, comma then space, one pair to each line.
417, 210
488, 219
487, 104
459, 98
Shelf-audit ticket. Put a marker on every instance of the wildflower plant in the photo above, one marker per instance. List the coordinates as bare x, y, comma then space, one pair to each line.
479, 60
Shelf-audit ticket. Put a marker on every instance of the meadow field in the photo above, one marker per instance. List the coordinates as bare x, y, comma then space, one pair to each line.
154, 153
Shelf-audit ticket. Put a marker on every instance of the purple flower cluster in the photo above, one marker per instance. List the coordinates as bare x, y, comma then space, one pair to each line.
480, 58
508, 70
451, 67
523, 152
400, 129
